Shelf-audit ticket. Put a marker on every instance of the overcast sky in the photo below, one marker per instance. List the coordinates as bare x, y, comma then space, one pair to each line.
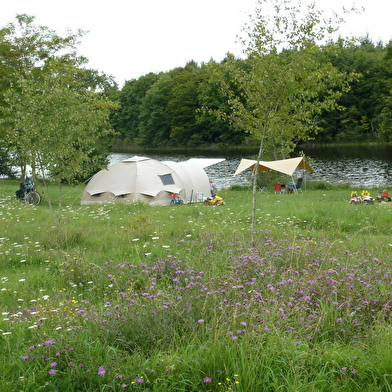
129, 38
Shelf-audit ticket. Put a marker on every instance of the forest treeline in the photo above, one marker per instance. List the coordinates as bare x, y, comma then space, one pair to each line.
178, 108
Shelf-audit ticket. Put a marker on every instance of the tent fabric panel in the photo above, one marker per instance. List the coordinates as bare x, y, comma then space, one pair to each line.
250, 164
288, 166
243, 165
116, 179
173, 190
205, 162
135, 159
194, 178
148, 193
93, 192
199, 178
116, 194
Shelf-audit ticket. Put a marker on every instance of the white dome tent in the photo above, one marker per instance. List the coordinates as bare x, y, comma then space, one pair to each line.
150, 181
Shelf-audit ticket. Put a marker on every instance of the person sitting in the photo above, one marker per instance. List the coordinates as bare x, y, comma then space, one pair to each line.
212, 188
290, 187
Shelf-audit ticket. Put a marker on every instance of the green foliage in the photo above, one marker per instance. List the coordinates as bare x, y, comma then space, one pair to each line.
362, 104
56, 121
154, 118
165, 109
6, 169
282, 91
53, 118
126, 120
341, 88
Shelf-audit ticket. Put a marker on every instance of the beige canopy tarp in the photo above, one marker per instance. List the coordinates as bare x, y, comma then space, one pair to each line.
286, 166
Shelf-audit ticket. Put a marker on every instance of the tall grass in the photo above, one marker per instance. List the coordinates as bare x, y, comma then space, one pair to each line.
177, 298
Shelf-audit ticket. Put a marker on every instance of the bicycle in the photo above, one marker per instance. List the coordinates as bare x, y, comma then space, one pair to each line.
176, 199
28, 193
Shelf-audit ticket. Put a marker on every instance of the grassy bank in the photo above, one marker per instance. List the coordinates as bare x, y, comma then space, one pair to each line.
138, 298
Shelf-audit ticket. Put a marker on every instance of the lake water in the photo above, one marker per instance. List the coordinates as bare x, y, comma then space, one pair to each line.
360, 166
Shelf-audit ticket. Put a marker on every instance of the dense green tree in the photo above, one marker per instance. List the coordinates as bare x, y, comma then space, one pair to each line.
155, 120
126, 120
212, 99
183, 105
361, 105
164, 110
385, 115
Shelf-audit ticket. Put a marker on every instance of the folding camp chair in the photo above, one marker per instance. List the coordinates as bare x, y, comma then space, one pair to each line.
294, 187
262, 188
298, 184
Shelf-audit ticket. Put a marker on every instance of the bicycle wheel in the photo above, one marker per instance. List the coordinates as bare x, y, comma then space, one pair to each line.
33, 198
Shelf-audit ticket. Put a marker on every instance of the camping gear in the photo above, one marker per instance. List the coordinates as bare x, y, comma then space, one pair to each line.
150, 181
294, 186
365, 198
213, 201
176, 199
383, 196
27, 192
355, 198
286, 166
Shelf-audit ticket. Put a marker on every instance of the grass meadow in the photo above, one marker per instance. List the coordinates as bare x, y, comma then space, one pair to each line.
129, 297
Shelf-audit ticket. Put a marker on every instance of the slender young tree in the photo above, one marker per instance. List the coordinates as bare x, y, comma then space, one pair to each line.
25, 48
56, 121
287, 81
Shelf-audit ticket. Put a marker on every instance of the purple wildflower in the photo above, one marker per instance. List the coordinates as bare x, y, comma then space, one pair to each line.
207, 379
101, 371
139, 380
